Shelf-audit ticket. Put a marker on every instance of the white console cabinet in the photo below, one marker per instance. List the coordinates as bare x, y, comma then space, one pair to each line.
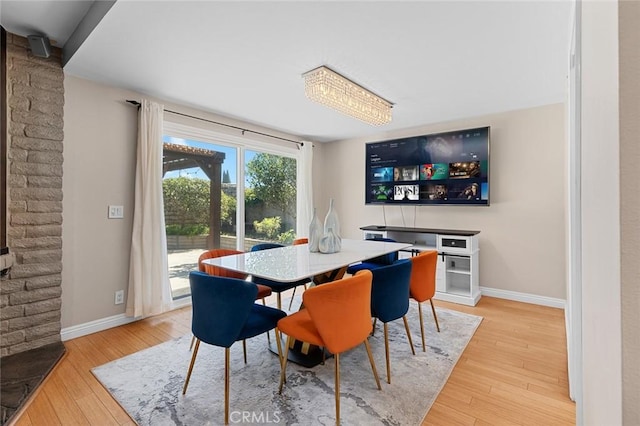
457, 272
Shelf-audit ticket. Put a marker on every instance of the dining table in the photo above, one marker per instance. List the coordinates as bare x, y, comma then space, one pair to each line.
296, 262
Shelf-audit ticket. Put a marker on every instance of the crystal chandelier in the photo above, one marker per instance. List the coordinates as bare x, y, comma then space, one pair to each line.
329, 88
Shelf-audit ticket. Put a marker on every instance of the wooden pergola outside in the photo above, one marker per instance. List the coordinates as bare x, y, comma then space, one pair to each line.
181, 157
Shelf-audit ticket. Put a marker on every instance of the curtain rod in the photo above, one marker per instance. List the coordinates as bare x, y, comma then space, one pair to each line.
138, 104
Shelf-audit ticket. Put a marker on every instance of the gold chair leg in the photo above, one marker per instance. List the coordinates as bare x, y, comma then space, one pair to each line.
277, 332
421, 326
373, 364
284, 363
433, 308
244, 350
292, 296
373, 332
193, 339
386, 352
406, 327
227, 355
337, 358
193, 360
279, 300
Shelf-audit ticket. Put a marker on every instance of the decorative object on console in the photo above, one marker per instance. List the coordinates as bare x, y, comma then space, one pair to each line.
315, 233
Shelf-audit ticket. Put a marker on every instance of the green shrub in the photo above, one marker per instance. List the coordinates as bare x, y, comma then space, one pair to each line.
189, 230
287, 237
269, 226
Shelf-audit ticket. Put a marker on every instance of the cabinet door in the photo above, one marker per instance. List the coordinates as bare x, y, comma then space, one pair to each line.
441, 274
458, 275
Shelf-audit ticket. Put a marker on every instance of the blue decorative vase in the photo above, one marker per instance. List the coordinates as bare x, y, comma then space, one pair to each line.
315, 233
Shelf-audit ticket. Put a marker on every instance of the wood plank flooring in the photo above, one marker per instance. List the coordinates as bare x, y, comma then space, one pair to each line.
513, 372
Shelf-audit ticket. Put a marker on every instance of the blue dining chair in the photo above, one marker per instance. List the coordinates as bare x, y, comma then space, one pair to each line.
390, 299
376, 262
224, 312
276, 286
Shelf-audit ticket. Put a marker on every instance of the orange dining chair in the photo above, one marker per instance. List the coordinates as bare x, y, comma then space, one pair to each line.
298, 241
336, 316
224, 311
423, 284
390, 300
263, 290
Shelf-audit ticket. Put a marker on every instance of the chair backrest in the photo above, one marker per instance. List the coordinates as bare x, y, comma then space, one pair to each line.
300, 241
265, 246
341, 311
423, 275
221, 307
385, 259
215, 270
390, 290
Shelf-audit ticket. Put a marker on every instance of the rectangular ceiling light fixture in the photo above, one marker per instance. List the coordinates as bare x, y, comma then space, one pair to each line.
329, 88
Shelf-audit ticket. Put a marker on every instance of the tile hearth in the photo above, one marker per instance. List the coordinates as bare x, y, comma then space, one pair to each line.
22, 373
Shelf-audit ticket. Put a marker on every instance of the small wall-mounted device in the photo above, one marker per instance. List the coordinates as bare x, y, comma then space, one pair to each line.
7, 259
40, 45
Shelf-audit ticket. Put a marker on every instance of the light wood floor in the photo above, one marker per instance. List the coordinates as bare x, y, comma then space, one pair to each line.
514, 371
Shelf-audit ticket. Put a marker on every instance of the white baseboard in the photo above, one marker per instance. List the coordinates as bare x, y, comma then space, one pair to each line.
101, 324
523, 297
90, 327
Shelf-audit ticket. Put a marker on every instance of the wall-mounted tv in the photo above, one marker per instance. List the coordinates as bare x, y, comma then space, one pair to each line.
434, 169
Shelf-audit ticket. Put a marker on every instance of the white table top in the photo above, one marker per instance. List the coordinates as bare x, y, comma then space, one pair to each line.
293, 263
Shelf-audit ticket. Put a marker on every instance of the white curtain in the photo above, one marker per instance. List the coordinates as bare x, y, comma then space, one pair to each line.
149, 288
305, 190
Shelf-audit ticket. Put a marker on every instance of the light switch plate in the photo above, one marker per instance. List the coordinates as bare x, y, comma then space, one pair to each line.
116, 212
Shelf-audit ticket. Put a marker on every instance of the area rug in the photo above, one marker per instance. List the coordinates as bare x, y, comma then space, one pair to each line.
148, 384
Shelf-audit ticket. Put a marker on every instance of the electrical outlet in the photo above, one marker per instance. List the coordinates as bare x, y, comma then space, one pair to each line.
116, 212
119, 297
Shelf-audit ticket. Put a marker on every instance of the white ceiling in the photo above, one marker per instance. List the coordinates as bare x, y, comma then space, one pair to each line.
436, 61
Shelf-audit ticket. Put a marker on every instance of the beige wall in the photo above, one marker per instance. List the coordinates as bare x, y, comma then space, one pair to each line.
629, 21
522, 247
99, 170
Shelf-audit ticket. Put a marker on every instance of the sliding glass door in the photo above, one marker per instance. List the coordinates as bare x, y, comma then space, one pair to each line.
222, 193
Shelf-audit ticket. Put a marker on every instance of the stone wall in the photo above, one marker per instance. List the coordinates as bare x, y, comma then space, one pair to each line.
30, 295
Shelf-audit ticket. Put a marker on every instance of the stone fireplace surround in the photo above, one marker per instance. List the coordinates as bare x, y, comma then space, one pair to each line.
30, 295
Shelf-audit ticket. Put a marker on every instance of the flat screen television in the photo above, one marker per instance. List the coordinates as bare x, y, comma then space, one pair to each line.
450, 168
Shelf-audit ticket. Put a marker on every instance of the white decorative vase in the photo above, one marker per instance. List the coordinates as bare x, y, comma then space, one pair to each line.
331, 221
330, 242
315, 233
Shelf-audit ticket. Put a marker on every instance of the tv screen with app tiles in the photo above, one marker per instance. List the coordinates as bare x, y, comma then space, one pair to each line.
434, 169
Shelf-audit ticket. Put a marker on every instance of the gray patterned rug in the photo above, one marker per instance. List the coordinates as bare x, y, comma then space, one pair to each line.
148, 384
